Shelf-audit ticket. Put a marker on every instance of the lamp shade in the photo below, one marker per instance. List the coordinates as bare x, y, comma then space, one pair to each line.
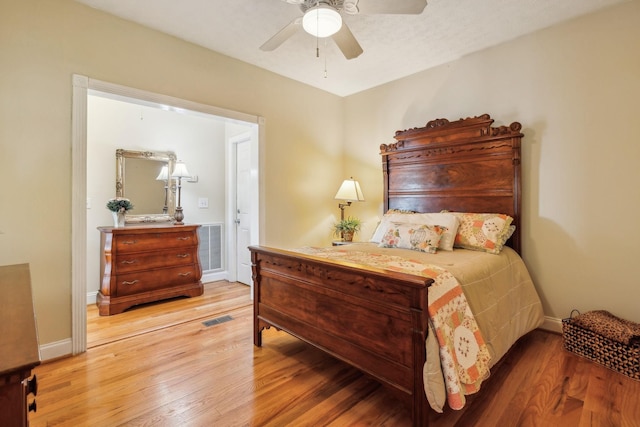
164, 174
350, 191
180, 170
321, 21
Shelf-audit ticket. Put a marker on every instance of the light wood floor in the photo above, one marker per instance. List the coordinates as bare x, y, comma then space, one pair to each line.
159, 365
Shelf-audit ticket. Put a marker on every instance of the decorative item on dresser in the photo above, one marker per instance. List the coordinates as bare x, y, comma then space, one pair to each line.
180, 172
145, 177
147, 263
119, 206
19, 351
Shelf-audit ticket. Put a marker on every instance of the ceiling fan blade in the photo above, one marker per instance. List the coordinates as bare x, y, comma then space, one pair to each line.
347, 42
282, 35
407, 7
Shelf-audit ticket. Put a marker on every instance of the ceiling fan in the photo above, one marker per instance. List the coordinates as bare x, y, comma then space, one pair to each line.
321, 18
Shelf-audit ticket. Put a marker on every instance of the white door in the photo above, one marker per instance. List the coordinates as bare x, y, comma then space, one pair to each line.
243, 210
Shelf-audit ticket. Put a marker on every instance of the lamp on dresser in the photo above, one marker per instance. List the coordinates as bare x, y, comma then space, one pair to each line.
180, 171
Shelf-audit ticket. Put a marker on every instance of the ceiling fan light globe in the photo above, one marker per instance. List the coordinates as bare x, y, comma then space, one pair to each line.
322, 21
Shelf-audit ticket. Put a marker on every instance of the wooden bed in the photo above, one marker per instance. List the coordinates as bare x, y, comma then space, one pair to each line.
374, 319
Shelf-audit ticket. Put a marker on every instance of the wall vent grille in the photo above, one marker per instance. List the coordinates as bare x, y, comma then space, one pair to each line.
211, 247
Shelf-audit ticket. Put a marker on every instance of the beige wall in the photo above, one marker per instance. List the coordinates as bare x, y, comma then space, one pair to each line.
44, 42
576, 90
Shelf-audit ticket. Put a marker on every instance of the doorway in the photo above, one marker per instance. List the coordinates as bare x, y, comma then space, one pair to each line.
82, 86
241, 199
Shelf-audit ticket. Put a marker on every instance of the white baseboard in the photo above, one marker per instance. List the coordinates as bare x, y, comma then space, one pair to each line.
214, 277
91, 297
56, 349
552, 324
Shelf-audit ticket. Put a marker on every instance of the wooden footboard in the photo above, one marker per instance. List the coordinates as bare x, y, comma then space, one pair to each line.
375, 320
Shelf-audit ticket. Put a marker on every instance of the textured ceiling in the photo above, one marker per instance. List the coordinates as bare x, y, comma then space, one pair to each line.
394, 46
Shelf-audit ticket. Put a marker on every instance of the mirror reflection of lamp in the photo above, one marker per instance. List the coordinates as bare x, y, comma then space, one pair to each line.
164, 176
349, 191
179, 172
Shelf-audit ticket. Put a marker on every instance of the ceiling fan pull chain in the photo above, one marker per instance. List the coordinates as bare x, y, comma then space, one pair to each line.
325, 58
317, 30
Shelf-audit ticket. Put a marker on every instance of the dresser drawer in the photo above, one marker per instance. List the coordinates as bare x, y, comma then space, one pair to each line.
154, 241
135, 283
136, 261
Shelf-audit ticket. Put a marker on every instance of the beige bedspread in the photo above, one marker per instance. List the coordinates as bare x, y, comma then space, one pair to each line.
499, 291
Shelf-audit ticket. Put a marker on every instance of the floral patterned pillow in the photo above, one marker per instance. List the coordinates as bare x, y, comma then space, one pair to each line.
483, 232
446, 220
418, 237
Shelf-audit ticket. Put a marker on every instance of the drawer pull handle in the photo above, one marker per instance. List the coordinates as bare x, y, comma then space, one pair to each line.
133, 282
184, 274
133, 261
183, 238
32, 385
32, 406
183, 255
130, 242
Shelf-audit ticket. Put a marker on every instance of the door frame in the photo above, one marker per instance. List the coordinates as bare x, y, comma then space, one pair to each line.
81, 85
231, 202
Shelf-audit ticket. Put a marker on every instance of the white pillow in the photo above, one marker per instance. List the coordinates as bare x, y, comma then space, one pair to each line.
444, 219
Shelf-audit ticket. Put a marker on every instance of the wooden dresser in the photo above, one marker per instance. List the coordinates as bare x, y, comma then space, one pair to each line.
19, 351
147, 263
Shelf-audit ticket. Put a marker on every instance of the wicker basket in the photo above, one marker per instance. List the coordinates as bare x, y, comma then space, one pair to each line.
614, 355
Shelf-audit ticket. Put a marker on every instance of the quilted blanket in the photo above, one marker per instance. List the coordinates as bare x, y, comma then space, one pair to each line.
465, 358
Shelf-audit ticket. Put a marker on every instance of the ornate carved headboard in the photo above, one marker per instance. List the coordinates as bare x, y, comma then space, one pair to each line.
465, 165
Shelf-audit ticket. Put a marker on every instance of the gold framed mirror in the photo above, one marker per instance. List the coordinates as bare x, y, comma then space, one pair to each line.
139, 179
